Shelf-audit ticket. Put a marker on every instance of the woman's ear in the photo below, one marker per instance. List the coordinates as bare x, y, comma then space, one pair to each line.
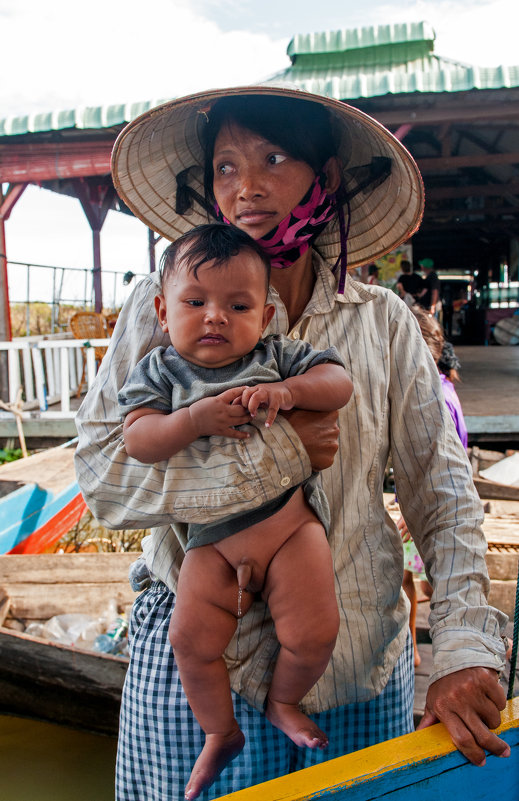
160, 308
333, 172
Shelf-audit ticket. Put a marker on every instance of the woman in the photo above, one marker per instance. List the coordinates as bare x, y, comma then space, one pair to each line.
321, 186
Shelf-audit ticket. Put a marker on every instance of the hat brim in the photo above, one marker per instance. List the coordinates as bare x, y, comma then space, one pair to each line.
154, 148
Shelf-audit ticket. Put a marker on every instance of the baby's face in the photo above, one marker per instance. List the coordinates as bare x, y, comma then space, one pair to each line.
218, 316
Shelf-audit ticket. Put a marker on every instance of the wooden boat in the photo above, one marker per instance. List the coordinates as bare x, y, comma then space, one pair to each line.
40, 501
422, 766
44, 679
506, 331
488, 490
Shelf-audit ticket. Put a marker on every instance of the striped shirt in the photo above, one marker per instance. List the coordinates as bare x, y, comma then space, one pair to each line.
398, 410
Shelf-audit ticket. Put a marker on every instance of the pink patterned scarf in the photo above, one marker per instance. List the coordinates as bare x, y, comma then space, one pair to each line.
292, 237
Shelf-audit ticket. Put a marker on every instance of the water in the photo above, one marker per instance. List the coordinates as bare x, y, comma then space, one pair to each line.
44, 762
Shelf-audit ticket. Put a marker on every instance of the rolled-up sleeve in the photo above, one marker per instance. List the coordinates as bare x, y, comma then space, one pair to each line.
442, 509
215, 476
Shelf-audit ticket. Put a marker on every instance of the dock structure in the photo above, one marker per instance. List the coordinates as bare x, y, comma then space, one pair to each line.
489, 392
48, 372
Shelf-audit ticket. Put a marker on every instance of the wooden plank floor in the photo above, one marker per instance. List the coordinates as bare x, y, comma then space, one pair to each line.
489, 380
488, 392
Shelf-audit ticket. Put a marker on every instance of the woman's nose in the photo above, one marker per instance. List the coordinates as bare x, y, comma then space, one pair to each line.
251, 184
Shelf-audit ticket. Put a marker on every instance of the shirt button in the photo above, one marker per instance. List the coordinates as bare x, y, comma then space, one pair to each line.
285, 481
295, 334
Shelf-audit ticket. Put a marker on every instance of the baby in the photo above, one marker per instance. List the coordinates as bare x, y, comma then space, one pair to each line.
215, 376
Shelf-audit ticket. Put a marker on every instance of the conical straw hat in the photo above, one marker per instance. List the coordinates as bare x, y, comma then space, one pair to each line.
154, 148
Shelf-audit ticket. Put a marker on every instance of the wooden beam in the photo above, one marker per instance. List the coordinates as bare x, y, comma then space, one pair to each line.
473, 190
448, 214
460, 162
450, 114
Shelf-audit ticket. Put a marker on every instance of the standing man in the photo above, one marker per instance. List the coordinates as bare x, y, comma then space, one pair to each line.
430, 295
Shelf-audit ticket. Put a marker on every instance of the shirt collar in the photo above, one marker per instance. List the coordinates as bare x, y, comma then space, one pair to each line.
324, 296
325, 291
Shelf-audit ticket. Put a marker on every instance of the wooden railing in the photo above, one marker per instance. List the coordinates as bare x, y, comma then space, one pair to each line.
48, 371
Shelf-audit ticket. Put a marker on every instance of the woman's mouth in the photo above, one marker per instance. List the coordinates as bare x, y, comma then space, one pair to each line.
254, 216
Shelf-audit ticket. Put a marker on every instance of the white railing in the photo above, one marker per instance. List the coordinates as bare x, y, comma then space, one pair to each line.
49, 372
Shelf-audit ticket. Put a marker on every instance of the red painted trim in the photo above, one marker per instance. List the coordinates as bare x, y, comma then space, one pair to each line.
22, 163
45, 537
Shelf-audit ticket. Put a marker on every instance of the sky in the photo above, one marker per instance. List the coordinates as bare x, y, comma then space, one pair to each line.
62, 55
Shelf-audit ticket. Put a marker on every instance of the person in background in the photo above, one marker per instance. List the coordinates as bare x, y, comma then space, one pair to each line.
448, 366
429, 297
373, 272
409, 283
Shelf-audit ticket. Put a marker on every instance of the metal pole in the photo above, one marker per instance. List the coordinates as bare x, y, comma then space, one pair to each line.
28, 303
151, 249
98, 289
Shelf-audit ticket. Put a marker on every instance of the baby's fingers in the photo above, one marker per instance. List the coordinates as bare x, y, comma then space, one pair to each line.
235, 433
253, 399
272, 414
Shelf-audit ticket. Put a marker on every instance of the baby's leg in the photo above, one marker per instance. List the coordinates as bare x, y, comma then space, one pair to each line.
202, 624
300, 592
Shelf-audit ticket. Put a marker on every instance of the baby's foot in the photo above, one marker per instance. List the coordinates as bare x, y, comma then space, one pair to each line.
292, 722
218, 751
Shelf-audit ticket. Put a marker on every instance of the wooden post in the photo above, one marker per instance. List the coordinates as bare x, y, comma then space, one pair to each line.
7, 201
96, 202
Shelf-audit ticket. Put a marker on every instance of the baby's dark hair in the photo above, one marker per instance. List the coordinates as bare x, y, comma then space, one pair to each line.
216, 242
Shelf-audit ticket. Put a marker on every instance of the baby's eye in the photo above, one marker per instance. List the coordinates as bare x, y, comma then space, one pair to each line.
276, 158
195, 302
239, 307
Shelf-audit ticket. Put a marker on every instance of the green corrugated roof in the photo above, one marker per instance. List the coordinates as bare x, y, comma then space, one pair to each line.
378, 60
347, 41
345, 64
88, 117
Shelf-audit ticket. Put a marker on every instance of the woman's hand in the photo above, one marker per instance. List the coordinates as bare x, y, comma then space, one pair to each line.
319, 433
468, 702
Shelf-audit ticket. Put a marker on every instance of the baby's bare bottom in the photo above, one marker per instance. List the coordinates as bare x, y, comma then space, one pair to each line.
290, 564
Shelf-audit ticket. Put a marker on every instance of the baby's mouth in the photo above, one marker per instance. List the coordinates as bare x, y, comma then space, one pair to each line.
212, 339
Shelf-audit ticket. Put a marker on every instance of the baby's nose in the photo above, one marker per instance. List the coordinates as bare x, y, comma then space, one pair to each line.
215, 314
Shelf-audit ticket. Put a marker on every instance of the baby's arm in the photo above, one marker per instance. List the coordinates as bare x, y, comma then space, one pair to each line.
151, 435
322, 388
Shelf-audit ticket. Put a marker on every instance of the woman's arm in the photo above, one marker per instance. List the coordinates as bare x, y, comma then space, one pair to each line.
444, 514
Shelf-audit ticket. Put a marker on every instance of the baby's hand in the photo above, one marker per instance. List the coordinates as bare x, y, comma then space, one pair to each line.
218, 415
273, 396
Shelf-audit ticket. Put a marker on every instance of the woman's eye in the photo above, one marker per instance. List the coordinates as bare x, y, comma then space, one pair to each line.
276, 158
223, 169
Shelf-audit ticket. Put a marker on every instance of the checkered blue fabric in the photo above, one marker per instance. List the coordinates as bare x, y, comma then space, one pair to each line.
159, 738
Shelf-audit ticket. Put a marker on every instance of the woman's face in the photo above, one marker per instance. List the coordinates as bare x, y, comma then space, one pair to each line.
256, 183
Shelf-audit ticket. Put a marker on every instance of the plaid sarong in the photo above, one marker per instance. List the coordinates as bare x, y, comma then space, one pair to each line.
159, 739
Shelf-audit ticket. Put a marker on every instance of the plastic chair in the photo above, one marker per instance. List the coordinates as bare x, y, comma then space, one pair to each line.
88, 325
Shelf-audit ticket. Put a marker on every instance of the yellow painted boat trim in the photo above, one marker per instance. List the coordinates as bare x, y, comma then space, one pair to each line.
363, 766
